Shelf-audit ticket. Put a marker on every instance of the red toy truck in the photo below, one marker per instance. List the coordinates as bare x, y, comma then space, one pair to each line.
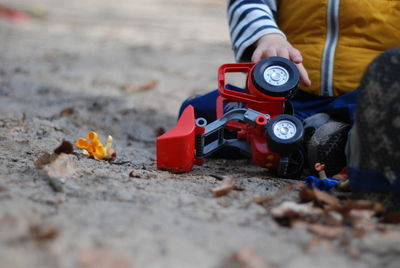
264, 133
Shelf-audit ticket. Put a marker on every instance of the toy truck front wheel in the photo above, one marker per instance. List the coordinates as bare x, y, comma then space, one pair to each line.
284, 133
276, 76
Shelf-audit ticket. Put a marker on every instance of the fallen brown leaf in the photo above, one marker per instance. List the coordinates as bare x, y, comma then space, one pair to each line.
359, 218
227, 185
280, 193
65, 147
325, 198
134, 174
263, 200
325, 230
306, 195
42, 232
362, 230
67, 111
137, 88
292, 210
318, 197
333, 218
393, 218
349, 205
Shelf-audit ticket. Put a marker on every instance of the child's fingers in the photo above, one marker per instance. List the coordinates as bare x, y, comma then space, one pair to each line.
283, 52
257, 55
261, 53
295, 55
304, 75
270, 52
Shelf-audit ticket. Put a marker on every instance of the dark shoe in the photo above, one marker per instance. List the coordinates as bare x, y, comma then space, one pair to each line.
374, 147
327, 146
312, 123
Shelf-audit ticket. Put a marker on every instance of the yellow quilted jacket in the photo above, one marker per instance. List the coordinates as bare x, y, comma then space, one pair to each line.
338, 38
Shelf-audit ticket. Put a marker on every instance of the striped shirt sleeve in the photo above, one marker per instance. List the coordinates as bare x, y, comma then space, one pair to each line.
248, 21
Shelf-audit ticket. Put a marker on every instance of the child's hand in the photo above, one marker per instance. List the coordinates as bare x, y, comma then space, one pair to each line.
276, 45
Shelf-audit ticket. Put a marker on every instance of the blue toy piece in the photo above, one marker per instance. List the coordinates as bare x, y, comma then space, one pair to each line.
321, 184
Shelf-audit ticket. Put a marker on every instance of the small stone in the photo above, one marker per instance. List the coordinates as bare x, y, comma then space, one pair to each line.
134, 174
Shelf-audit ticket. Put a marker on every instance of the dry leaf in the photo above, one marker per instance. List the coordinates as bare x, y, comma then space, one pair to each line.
263, 200
361, 231
306, 195
333, 218
325, 230
227, 185
133, 89
134, 174
247, 258
42, 232
325, 198
65, 147
349, 205
280, 193
318, 197
290, 210
102, 258
360, 217
67, 111
393, 218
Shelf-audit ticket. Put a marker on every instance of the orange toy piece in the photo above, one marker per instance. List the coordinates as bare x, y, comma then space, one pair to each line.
93, 146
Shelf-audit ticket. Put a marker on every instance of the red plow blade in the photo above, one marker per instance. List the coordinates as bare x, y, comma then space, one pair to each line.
176, 147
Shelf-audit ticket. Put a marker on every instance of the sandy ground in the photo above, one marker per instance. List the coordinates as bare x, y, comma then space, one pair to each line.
80, 54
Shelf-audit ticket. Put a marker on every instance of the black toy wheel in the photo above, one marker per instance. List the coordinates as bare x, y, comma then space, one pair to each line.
293, 168
276, 76
284, 133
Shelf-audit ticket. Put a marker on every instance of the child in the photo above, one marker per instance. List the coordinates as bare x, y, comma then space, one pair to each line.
337, 40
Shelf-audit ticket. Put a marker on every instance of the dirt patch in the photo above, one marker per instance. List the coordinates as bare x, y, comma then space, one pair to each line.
65, 72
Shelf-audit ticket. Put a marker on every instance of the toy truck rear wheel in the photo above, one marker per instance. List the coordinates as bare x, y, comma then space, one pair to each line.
284, 134
276, 76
